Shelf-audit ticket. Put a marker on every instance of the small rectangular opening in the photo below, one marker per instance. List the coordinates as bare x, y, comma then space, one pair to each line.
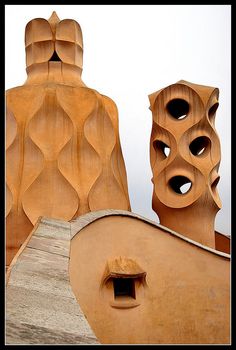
124, 287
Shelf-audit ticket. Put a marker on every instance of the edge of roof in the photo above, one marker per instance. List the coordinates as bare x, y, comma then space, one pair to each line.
84, 220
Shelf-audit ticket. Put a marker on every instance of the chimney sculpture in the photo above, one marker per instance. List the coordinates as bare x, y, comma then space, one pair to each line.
63, 153
185, 157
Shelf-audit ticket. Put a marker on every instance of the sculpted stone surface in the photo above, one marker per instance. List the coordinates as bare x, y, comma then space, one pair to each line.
83, 268
141, 291
185, 157
149, 284
63, 153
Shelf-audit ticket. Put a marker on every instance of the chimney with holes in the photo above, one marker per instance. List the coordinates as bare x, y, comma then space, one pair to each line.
82, 268
185, 157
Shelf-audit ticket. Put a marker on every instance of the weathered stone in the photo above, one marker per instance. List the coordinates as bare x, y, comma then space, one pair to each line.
40, 305
23, 333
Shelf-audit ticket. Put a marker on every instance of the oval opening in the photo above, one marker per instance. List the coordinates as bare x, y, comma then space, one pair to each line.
162, 149
178, 108
214, 184
200, 145
212, 111
180, 184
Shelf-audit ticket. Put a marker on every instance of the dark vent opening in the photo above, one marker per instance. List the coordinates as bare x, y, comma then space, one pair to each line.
55, 57
214, 184
178, 108
212, 111
199, 145
180, 184
124, 287
162, 148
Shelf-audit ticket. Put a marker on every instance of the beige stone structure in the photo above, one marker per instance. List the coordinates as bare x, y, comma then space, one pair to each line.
83, 268
63, 154
133, 289
149, 284
185, 152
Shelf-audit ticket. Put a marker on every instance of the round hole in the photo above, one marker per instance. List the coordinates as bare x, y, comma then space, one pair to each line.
178, 108
162, 149
180, 184
199, 145
212, 111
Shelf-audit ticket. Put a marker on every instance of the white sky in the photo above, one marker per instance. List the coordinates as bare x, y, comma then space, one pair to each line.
131, 51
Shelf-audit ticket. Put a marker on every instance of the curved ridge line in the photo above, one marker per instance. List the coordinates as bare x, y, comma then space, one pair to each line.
41, 171
84, 220
14, 138
38, 110
35, 142
100, 170
43, 166
186, 162
98, 158
182, 136
44, 158
86, 139
186, 133
25, 127
78, 202
213, 130
12, 200
92, 188
113, 149
8, 148
58, 166
193, 123
94, 184
90, 116
119, 181
23, 206
168, 161
58, 92
99, 155
158, 126
200, 192
119, 157
65, 144
63, 109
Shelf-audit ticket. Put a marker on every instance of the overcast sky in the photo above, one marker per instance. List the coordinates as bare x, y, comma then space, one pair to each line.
131, 51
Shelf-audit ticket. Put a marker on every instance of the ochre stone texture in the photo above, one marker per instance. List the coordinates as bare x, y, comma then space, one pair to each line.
146, 284
180, 289
185, 157
222, 242
63, 153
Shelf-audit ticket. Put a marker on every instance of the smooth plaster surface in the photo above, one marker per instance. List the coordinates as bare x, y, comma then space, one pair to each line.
182, 289
184, 299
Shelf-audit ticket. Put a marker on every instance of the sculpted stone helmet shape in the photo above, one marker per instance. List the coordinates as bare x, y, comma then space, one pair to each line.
57, 163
